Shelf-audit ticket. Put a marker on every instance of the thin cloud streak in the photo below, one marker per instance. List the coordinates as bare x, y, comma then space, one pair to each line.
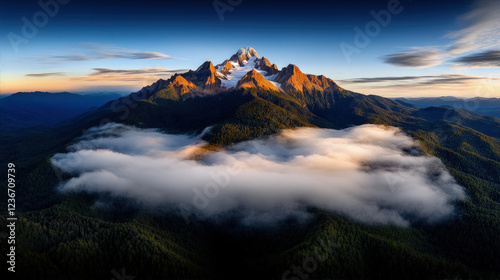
488, 59
41, 75
427, 85
129, 75
94, 51
415, 59
101, 71
418, 80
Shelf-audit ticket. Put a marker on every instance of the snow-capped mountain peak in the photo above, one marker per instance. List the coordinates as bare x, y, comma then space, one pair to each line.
242, 62
245, 69
243, 55
248, 51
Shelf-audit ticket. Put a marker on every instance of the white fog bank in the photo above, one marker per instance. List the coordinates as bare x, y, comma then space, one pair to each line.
369, 173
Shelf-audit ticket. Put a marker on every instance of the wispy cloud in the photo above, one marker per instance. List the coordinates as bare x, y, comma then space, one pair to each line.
381, 79
487, 59
449, 79
94, 51
428, 85
104, 71
481, 32
129, 75
417, 80
41, 75
415, 58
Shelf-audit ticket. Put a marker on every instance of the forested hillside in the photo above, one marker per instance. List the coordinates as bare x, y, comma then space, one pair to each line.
63, 236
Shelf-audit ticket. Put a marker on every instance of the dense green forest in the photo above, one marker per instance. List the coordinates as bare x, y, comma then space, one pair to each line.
61, 236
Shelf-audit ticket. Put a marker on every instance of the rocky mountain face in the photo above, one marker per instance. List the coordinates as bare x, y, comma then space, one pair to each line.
244, 69
243, 55
205, 78
265, 65
254, 79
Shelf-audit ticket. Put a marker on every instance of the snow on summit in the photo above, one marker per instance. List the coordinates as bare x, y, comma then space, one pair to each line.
243, 62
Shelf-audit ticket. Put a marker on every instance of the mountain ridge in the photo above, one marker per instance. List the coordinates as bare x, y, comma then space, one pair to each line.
210, 79
482, 105
23, 110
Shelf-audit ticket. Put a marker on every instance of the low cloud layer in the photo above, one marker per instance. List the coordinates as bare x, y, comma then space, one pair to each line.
369, 173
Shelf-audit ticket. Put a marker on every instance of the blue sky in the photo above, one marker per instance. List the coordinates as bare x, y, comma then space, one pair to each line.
125, 45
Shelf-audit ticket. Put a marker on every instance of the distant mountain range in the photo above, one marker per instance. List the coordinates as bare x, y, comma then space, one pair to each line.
481, 105
34, 109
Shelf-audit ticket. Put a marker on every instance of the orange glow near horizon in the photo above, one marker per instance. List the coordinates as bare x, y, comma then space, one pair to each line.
65, 83
486, 88
29, 84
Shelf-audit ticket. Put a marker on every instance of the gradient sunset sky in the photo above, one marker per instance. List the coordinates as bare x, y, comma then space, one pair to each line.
426, 48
